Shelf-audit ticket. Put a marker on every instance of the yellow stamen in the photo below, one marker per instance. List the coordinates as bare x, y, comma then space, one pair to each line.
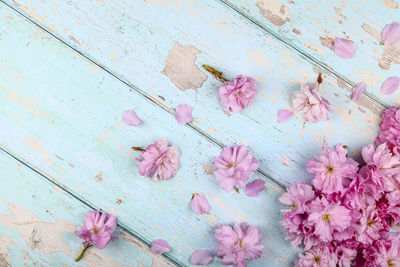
326, 217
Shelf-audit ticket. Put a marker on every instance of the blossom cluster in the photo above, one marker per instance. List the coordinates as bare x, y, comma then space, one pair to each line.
346, 217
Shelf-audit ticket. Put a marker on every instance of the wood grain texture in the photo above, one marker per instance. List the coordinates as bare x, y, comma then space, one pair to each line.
311, 26
147, 43
63, 118
38, 221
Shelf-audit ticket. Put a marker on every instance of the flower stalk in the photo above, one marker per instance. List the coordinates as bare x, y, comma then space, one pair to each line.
217, 74
83, 252
136, 148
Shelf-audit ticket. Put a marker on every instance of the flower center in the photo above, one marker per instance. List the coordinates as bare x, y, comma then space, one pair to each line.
370, 223
326, 217
329, 170
240, 243
294, 205
390, 263
317, 259
231, 165
95, 230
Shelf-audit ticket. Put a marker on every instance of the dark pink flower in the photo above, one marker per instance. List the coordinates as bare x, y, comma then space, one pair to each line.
344, 48
284, 115
129, 117
159, 161
183, 114
238, 243
199, 203
160, 246
234, 166
309, 102
237, 94
254, 188
332, 170
201, 257
391, 33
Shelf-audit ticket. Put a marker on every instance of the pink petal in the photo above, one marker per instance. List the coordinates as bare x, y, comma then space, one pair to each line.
284, 115
390, 85
344, 48
160, 246
183, 114
254, 188
201, 257
358, 91
199, 203
129, 117
391, 33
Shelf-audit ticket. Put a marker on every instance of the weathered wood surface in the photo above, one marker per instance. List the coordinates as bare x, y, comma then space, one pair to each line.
312, 25
62, 117
157, 47
38, 220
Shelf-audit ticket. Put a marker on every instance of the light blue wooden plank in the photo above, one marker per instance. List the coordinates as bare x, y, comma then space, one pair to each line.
62, 116
136, 40
311, 25
38, 221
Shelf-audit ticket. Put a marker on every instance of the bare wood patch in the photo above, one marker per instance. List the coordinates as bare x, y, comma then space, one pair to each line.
327, 41
274, 11
181, 69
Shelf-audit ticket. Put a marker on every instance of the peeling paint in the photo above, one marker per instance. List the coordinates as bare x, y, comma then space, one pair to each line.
274, 11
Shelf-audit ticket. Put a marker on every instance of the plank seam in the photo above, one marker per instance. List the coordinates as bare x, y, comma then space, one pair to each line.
86, 203
302, 52
133, 87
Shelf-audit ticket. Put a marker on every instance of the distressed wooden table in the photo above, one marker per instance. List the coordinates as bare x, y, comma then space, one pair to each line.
68, 69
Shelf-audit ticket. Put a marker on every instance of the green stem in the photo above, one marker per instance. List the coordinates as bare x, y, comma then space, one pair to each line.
83, 251
217, 74
138, 148
237, 190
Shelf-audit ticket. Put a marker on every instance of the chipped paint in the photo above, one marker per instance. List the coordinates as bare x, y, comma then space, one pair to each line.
274, 11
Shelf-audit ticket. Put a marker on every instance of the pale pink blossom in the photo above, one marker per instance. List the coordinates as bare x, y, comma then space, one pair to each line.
284, 115
97, 229
344, 48
310, 103
390, 85
238, 243
390, 130
183, 114
129, 117
234, 166
201, 257
199, 203
159, 161
388, 253
318, 256
332, 170
237, 94
391, 33
297, 196
371, 226
254, 188
160, 246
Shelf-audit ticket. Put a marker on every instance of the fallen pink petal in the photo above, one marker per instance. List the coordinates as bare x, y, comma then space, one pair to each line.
254, 188
183, 114
358, 91
390, 85
129, 117
201, 257
199, 203
160, 246
284, 115
391, 33
344, 48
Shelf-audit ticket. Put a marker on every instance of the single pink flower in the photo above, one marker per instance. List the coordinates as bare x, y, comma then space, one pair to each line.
292, 222
309, 102
332, 170
344, 48
318, 256
284, 115
159, 161
254, 188
199, 203
97, 230
390, 130
160, 246
237, 94
183, 114
390, 85
238, 243
358, 91
234, 166
297, 196
391, 33
346, 253
327, 218
388, 253
129, 117
371, 226
201, 257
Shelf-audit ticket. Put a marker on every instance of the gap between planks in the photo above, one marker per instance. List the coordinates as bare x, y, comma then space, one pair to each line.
300, 51
86, 203
132, 87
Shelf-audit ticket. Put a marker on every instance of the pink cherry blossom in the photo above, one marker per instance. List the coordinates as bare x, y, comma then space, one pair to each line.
316, 257
390, 130
159, 161
284, 115
332, 170
254, 188
390, 85
344, 48
234, 166
310, 103
358, 91
371, 226
160, 246
199, 203
388, 253
129, 117
391, 33
201, 257
238, 243
183, 114
237, 94
297, 196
